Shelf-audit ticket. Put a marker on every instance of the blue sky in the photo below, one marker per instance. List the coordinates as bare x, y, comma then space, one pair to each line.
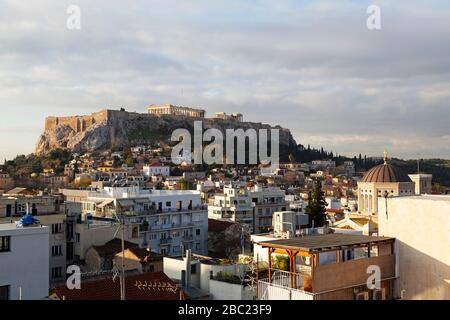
310, 66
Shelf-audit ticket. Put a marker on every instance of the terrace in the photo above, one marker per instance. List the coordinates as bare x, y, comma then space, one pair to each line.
329, 266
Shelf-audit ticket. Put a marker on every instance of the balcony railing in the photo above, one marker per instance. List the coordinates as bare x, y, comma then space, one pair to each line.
285, 285
165, 241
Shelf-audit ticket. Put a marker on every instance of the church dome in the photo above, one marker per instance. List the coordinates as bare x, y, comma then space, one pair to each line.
386, 173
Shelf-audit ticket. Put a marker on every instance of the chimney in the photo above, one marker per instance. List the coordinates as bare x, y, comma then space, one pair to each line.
183, 278
187, 260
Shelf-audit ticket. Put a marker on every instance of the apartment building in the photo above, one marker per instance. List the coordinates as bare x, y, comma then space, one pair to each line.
57, 215
252, 207
156, 168
266, 201
166, 221
24, 260
234, 204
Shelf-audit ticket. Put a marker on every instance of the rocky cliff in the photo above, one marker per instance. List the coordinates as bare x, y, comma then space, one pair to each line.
114, 130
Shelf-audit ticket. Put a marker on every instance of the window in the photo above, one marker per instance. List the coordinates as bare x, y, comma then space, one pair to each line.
77, 237
193, 268
56, 251
57, 228
168, 204
5, 243
135, 232
4, 293
56, 272
197, 232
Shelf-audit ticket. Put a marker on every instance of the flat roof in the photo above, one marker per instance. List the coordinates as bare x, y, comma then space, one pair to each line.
12, 229
322, 241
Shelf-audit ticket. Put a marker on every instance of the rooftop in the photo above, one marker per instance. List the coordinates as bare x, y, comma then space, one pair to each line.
138, 287
321, 242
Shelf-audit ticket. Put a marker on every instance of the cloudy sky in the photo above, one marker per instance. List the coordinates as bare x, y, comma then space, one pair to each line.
311, 66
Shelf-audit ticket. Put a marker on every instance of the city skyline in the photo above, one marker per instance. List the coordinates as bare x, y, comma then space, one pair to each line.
313, 68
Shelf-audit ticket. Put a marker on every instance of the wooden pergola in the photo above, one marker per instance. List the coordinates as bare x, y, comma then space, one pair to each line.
312, 245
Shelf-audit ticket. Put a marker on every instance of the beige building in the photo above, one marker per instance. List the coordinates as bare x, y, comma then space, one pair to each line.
6, 182
140, 259
170, 109
421, 225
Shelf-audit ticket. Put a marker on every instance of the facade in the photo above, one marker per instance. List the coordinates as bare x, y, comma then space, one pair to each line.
6, 182
349, 168
164, 220
156, 169
421, 225
266, 201
170, 109
24, 261
140, 259
323, 165
423, 182
58, 216
233, 204
253, 208
286, 224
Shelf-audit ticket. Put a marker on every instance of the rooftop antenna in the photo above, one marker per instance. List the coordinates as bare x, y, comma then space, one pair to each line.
121, 222
418, 163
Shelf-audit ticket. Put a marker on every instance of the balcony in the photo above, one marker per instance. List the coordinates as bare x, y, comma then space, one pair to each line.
188, 238
285, 285
165, 241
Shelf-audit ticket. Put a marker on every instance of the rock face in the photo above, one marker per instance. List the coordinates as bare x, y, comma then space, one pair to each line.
115, 130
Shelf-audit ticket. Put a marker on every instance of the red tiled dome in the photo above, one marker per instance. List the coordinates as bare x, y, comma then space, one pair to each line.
386, 173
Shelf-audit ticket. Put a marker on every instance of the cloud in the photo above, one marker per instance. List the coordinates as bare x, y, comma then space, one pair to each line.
311, 66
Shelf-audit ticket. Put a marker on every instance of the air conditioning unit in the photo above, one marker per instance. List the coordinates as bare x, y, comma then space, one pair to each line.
379, 294
362, 295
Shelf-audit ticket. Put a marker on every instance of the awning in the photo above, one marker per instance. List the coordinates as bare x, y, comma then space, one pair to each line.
126, 202
105, 203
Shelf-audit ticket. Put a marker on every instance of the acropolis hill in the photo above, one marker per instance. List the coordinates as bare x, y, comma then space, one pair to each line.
118, 129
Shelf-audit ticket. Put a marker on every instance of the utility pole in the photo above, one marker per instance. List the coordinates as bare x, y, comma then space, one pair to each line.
122, 296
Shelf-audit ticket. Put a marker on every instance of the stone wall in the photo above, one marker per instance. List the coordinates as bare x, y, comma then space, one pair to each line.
77, 123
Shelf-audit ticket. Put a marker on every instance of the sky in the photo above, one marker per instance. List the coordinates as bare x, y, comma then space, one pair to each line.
311, 66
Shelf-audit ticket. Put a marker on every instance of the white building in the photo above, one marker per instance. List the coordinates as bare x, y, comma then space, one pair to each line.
423, 182
156, 169
333, 203
421, 225
200, 277
233, 205
166, 221
24, 262
349, 168
286, 224
324, 165
253, 207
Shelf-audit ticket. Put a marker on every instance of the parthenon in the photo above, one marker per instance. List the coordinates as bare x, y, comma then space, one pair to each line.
169, 109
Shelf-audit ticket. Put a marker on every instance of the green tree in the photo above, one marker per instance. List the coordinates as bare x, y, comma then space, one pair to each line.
316, 206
